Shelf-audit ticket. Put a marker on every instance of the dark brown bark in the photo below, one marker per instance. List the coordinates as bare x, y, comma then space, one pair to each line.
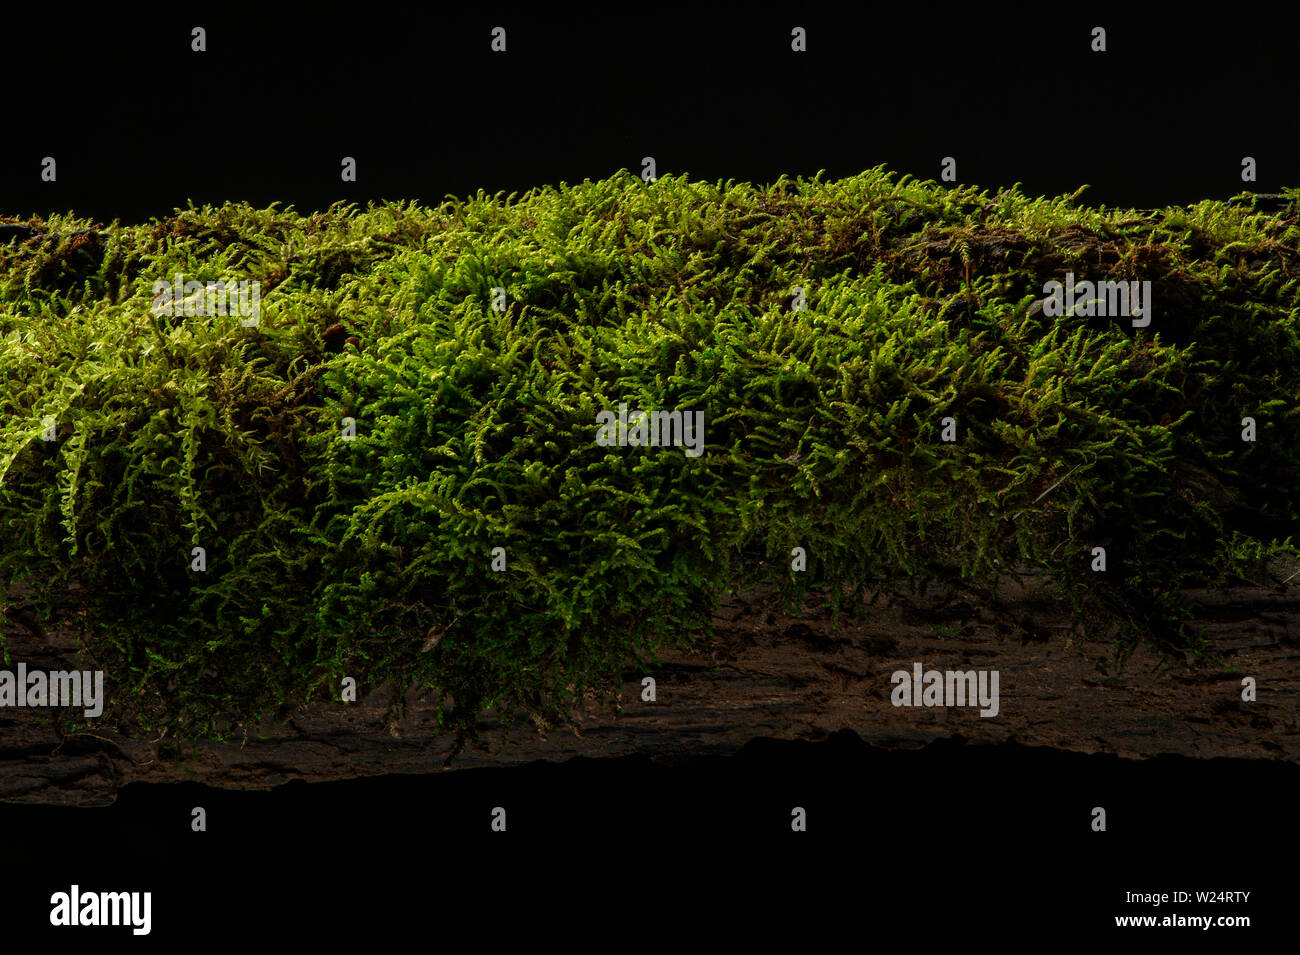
765, 674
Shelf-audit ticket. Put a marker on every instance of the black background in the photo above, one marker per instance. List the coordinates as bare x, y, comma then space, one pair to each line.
975, 844
953, 845
140, 125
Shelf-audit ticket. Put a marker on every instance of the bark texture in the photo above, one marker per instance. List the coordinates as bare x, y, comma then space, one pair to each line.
765, 674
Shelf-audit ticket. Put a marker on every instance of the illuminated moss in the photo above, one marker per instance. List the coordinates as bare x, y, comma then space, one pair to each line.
475, 429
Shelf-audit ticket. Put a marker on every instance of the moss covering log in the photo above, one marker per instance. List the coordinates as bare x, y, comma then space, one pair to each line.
476, 429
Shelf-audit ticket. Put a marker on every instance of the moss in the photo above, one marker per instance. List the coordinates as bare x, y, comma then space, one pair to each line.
476, 428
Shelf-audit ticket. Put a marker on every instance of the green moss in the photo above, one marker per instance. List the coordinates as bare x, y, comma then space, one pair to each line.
476, 429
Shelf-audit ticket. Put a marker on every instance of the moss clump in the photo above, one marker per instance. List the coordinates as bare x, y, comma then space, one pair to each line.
475, 429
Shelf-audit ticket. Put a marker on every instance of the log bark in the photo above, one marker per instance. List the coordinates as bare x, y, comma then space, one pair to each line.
763, 674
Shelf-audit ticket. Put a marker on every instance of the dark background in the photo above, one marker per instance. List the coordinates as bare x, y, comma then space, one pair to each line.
969, 846
973, 844
140, 125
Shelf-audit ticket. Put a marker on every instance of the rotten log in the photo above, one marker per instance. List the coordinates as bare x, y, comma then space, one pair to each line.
763, 674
